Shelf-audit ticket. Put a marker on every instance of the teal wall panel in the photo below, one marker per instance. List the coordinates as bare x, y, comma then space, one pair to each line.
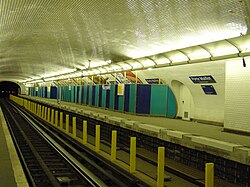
76, 92
132, 98
48, 92
80, 94
72, 94
90, 95
171, 104
104, 94
97, 95
121, 103
158, 100
161, 97
85, 95
68, 93
112, 97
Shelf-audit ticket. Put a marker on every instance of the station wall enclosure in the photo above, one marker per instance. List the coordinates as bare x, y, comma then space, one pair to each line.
155, 100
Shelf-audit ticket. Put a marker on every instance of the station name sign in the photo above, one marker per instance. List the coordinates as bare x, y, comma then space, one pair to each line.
153, 81
202, 79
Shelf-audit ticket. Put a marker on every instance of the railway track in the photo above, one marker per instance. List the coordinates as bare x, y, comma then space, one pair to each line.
144, 142
51, 160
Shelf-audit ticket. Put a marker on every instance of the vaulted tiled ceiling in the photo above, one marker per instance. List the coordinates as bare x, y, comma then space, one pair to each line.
39, 38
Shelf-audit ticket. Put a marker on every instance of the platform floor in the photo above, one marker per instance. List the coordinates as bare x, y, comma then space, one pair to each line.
11, 172
201, 129
185, 126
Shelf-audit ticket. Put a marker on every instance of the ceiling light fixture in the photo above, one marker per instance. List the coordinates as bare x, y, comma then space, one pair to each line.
244, 62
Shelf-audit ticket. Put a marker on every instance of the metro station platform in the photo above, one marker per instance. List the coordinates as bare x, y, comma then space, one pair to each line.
202, 136
197, 136
11, 172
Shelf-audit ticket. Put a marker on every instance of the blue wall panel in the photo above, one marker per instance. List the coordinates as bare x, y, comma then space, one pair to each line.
53, 92
116, 98
93, 95
87, 95
90, 95
132, 98
143, 99
100, 96
45, 92
126, 97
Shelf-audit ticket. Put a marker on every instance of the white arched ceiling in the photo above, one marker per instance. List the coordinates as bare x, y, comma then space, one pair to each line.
47, 37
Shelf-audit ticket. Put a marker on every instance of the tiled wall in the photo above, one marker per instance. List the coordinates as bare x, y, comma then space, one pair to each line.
237, 95
204, 107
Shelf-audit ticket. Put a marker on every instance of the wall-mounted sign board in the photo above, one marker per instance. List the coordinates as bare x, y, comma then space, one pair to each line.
120, 89
106, 86
153, 81
208, 89
202, 79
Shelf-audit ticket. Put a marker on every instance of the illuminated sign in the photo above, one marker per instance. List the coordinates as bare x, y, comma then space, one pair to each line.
202, 79
208, 89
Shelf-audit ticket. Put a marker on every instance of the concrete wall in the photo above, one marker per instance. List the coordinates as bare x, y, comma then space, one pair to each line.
237, 97
204, 107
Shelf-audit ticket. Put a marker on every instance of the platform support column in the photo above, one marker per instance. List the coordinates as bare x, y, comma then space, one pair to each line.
45, 113
160, 168
39, 111
35, 107
113, 145
42, 115
56, 118
52, 116
97, 138
209, 175
74, 127
67, 123
48, 117
31, 107
132, 167
61, 120
85, 133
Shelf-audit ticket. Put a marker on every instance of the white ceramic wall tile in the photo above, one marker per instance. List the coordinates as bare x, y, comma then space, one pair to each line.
237, 95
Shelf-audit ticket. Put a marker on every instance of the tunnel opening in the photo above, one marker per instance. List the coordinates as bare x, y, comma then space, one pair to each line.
7, 88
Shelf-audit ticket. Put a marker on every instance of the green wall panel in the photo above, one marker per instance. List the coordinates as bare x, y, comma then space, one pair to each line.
171, 104
121, 103
112, 97
72, 94
85, 95
97, 95
80, 94
158, 100
90, 95
104, 93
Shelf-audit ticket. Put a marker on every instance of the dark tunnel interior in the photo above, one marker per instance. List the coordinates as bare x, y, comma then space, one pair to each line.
7, 88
